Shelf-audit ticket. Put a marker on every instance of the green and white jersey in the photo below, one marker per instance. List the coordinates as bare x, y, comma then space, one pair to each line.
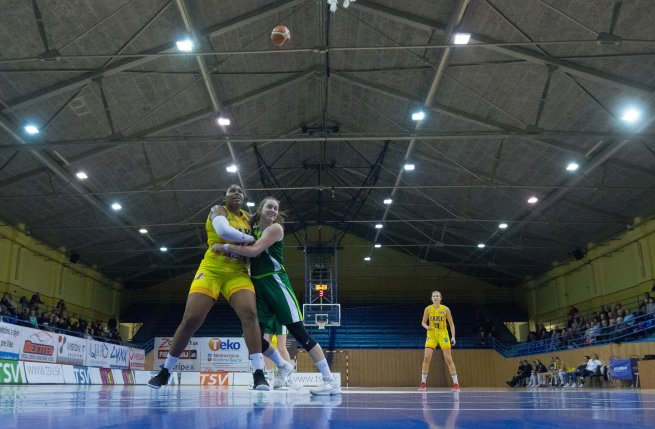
268, 262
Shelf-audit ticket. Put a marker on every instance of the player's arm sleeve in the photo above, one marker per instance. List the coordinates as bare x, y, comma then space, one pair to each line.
224, 230
270, 235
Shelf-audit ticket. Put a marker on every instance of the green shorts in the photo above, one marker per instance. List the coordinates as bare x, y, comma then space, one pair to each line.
273, 327
276, 299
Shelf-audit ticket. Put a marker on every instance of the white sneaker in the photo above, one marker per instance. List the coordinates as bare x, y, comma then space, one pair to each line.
580, 385
282, 376
329, 386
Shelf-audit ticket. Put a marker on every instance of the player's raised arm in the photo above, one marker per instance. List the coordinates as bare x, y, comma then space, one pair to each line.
219, 221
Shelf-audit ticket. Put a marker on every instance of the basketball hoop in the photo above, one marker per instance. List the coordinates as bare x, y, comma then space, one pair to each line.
321, 324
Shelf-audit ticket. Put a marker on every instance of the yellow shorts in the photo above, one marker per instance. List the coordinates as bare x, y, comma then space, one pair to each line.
213, 281
437, 338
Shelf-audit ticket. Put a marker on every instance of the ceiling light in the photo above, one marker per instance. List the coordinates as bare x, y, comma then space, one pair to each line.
572, 166
224, 122
388, 201
163, 249
368, 258
184, 45
143, 231
377, 246
503, 226
418, 116
631, 115
231, 168
81, 175
481, 245
409, 167
31, 129
378, 226
250, 204
116, 206
462, 38
533, 200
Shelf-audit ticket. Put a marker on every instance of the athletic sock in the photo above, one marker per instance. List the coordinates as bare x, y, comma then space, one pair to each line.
257, 361
276, 357
424, 377
454, 376
170, 363
323, 366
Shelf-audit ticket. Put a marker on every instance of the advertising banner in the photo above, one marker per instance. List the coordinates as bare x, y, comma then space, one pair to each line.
9, 341
71, 350
81, 375
189, 359
623, 369
12, 372
220, 378
97, 354
137, 358
37, 346
119, 356
43, 373
223, 354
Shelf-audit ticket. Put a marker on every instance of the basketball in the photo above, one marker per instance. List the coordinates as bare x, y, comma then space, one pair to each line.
280, 35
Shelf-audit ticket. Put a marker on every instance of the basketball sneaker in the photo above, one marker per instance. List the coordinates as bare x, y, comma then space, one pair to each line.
259, 381
160, 379
282, 376
329, 386
456, 387
422, 386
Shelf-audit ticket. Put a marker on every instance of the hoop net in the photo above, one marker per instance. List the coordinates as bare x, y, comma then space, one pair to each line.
321, 324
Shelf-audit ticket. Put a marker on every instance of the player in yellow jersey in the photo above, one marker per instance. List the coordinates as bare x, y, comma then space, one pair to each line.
221, 273
434, 322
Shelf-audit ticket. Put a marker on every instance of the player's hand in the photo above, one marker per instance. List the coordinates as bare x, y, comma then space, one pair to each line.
453, 342
217, 248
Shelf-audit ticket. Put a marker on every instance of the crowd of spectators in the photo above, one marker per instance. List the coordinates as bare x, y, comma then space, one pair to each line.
558, 373
606, 324
33, 314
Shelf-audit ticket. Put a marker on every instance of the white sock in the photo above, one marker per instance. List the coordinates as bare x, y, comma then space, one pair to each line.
323, 366
276, 357
170, 363
257, 361
424, 377
454, 376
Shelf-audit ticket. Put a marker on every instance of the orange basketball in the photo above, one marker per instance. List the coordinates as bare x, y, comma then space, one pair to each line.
280, 35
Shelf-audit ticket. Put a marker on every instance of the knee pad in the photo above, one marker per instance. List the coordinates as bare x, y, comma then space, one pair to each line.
299, 332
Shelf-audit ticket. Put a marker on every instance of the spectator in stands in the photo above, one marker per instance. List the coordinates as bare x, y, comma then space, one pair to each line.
23, 302
35, 301
534, 370
567, 375
33, 319
9, 303
592, 367
61, 307
650, 307
643, 303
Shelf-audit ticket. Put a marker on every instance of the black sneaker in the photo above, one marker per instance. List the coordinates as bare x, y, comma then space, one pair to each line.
259, 381
160, 379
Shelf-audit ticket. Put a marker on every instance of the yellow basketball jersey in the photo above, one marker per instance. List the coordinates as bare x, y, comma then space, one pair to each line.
437, 317
240, 222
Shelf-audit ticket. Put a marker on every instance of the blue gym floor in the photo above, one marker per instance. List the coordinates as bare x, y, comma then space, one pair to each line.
193, 407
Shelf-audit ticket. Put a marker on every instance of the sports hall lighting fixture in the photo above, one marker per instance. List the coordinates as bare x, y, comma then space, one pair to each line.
481, 245
409, 167
224, 122
573, 166
116, 207
533, 200
143, 231
231, 168
31, 129
163, 249
418, 116
368, 258
250, 204
631, 115
503, 226
81, 175
462, 38
377, 246
184, 45
378, 226
388, 201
